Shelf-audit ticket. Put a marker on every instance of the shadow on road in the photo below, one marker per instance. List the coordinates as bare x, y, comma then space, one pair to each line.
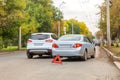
73, 60
42, 57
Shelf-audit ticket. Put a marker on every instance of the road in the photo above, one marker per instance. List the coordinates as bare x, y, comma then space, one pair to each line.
17, 67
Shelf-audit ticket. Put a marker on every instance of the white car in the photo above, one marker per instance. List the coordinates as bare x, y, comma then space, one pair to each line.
40, 44
74, 45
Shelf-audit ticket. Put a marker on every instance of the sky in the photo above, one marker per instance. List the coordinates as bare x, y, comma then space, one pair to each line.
82, 10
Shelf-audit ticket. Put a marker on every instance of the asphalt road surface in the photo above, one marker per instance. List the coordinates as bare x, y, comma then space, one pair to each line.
16, 66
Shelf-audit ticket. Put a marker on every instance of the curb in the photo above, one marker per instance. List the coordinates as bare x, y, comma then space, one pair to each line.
110, 54
115, 59
117, 64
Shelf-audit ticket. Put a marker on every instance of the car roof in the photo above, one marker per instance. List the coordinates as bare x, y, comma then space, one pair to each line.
74, 35
42, 33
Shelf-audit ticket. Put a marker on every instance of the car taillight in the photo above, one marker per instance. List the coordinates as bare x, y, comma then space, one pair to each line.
54, 45
49, 40
29, 41
77, 45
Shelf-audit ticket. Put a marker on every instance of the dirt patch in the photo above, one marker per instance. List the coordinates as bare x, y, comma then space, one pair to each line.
10, 52
117, 54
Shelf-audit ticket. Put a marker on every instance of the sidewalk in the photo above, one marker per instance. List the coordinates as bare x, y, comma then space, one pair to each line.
115, 59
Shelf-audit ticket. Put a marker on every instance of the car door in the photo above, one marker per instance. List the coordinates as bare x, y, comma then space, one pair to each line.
88, 45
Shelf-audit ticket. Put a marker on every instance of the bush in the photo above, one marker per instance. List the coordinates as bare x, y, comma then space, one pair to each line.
118, 44
112, 44
115, 44
1, 45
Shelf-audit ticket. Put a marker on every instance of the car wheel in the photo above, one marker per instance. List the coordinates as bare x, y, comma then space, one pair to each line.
51, 55
40, 55
29, 56
93, 56
85, 56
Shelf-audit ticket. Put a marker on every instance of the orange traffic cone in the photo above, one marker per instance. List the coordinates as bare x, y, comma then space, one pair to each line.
57, 60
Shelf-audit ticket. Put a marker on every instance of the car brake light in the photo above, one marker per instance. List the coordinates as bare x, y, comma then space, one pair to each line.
49, 40
29, 41
54, 45
77, 45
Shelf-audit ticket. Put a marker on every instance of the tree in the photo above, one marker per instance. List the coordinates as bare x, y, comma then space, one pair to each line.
57, 17
99, 35
31, 15
13, 18
114, 19
79, 27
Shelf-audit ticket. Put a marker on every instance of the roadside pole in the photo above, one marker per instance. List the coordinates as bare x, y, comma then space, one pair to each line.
19, 38
108, 24
73, 25
72, 29
59, 20
58, 28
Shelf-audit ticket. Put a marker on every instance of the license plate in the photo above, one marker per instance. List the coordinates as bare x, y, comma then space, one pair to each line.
65, 45
38, 44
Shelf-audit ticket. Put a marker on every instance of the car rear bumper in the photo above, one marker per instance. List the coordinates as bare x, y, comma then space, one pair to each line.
67, 53
39, 51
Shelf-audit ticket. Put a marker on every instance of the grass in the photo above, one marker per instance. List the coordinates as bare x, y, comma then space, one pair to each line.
115, 50
12, 48
116, 45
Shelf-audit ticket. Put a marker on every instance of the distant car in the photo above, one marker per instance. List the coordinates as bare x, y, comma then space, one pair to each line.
74, 45
40, 44
96, 42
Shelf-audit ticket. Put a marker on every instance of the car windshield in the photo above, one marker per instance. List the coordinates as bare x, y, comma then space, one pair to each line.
70, 38
40, 36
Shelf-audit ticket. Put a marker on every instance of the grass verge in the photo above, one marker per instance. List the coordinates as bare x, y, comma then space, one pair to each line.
115, 50
11, 48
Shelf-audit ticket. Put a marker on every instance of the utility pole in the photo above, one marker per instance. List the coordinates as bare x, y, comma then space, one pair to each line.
19, 38
73, 25
64, 29
72, 29
59, 20
58, 28
108, 24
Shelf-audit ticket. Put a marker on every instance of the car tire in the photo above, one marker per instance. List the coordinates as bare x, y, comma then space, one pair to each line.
85, 56
29, 56
40, 55
93, 56
51, 55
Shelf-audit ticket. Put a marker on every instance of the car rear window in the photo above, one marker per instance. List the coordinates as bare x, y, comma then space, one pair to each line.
40, 36
70, 38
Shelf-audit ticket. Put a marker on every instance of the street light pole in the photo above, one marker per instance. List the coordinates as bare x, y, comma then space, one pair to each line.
72, 29
108, 25
19, 38
58, 28
59, 20
73, 26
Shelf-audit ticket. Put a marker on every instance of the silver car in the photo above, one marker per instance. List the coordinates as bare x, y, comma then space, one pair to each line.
40, 44
74, 45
